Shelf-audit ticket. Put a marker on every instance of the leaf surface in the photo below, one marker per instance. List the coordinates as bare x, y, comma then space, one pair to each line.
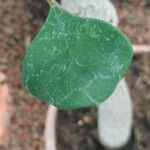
75, 62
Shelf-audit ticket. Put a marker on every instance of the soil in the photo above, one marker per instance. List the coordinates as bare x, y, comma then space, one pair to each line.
76, 129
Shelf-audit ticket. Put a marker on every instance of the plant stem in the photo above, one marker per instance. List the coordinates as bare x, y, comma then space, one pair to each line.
141, 48
50, 128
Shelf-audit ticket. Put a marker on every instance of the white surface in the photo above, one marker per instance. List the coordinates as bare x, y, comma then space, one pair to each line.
115, 114
115, 118
100, 9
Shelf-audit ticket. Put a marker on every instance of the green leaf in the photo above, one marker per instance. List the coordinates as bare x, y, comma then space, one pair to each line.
75, 62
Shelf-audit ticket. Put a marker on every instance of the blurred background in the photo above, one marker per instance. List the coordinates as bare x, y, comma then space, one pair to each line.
22, 117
